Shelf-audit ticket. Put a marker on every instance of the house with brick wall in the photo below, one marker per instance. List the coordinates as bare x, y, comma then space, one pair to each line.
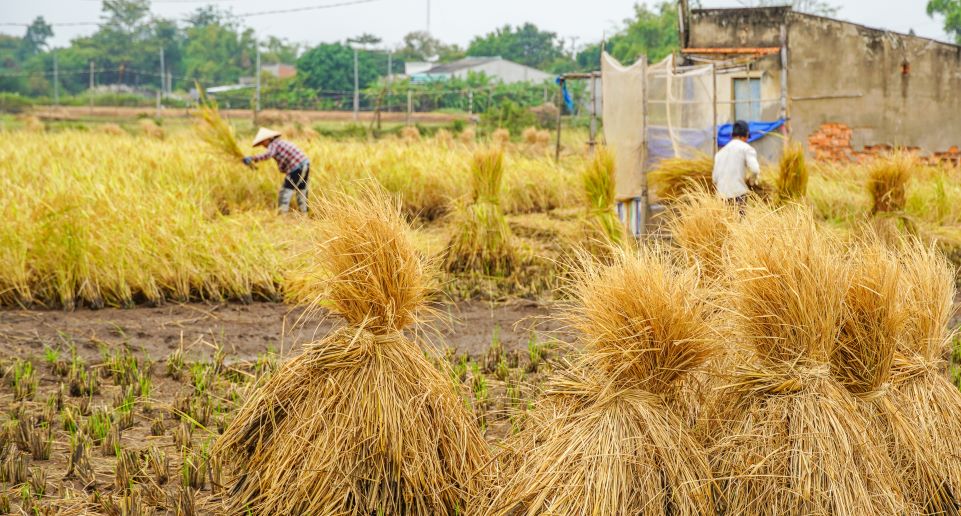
846, 91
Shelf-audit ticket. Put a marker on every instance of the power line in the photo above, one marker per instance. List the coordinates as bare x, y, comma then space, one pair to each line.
308, 8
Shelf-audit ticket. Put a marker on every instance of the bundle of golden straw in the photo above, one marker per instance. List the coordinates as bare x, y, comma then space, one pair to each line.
214, 129
482, 240
700, 227
920, 390
361, 422
604, 439
792, 177
785, 437
598, 180
888, 178
674, 177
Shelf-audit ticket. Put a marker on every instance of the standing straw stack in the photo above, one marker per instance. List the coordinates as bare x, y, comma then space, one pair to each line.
483, 241
360, 423
672, 178
604, 438
786, 437
701, 228
792, 177
920, 391
213, 129
599, 191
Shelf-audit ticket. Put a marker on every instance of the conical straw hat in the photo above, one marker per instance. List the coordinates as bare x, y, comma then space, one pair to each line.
264, 134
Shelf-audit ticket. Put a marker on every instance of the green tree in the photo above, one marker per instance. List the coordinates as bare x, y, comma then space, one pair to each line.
652, 32
330, 67
951, 10
525, 44
35, 41
421, 46
216, 49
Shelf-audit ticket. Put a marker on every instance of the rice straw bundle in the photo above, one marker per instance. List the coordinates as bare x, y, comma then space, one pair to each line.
213, 129
792, 177
604, 439
483, 241
700, 228
598, 180
888, 178
920, 390
674, 177
786, 437
361, 422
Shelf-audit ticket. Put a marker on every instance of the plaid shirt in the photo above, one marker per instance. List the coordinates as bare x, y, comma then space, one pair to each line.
288, 156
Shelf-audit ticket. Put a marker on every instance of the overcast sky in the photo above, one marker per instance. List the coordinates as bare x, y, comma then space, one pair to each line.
450, 20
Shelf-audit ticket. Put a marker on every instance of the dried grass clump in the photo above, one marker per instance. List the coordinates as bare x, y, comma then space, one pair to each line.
785, 436
792, 176
468, 136
299, 131
482, 240
535, 137
214, 129
150, 129
674, 177
700, 228
361, 422
501, 136
599, 192
112, 130
920, 390
888, 178
444, 137
604, 438
32, 124
410, 134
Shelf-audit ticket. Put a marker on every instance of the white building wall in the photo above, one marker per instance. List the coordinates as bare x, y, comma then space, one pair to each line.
507, 71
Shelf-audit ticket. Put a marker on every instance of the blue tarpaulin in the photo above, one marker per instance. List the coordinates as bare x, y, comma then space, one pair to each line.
567, 94
758, 130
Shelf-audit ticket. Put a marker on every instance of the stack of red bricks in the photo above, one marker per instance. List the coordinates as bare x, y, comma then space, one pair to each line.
951, 156
832, 142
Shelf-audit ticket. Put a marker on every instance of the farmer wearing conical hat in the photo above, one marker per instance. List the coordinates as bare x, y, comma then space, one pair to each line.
291, 161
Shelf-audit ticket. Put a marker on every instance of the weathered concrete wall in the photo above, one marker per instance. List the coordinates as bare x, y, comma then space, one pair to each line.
887, 88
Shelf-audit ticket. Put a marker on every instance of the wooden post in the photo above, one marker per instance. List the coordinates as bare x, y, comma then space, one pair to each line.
784, 79
410, 106
593, 141
645, 197
714, 104
560, 111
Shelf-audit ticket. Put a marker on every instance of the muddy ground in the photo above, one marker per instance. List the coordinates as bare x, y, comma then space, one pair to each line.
248, 330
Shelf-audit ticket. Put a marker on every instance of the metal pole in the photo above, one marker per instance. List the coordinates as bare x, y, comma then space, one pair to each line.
714, 103
410, 105
428, 16
56, 80
257, 84
356, 88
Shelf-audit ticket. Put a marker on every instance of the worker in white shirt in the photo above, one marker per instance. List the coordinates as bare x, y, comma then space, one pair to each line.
736, 166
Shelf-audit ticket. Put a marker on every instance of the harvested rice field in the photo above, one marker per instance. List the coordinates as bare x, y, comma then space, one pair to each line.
460, 326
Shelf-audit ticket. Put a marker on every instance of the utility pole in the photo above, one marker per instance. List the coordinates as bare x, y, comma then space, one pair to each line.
390, 77
257, 84
428, 16
356, 88
163, 73
90, 91
56, 80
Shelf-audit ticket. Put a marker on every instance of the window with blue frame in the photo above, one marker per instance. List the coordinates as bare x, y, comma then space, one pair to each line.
747, 99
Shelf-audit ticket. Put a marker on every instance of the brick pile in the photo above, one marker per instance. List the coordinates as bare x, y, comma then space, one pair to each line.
832, 142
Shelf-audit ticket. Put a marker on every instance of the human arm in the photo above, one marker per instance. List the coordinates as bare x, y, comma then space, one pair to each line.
257, 158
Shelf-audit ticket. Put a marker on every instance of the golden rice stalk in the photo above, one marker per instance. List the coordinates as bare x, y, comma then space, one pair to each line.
888, 178
700, 228
214, 129
482, 240
605, 439
674, 177
361, 422
785, 436
792, 177
599, 190
921, 393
